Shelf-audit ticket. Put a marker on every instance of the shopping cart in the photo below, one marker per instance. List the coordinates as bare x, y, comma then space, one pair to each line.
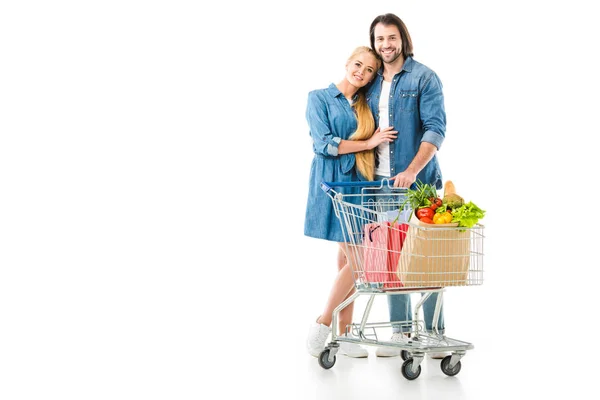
392, 255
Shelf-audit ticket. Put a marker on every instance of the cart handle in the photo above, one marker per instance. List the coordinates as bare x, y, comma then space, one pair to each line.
327, 186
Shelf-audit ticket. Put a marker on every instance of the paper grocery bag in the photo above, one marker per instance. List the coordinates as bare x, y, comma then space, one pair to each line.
434, 255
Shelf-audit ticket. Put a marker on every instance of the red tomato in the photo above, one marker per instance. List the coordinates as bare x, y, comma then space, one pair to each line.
425, 212
426, 220
435, 201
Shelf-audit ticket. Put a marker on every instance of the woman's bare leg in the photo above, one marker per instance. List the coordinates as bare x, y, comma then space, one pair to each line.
343, 287
345, 317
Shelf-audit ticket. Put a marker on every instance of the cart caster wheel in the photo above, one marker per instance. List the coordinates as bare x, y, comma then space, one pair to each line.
407, 370
405, 355
324, 359
446, 369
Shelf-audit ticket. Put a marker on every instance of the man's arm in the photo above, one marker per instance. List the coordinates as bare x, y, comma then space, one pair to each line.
433, 118
409, 176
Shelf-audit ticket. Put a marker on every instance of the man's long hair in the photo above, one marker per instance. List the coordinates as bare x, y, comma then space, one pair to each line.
392, 19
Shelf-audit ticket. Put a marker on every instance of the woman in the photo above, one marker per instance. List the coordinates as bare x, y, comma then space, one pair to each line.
341, 126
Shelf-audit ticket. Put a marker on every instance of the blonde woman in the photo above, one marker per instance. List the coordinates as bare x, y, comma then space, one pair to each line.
344, 136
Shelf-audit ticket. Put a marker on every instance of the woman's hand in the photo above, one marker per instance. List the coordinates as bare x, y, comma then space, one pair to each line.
381, 136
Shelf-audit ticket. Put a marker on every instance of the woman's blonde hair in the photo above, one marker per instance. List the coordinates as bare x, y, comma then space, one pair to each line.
365, 160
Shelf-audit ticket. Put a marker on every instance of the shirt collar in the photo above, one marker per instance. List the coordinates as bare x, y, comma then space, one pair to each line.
407, 66
335, 92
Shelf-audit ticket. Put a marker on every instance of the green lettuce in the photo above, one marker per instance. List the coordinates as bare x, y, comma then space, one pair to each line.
467, 215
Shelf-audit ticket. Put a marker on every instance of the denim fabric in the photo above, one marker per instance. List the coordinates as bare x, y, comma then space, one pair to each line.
401, 310
330, 119
400, 306
417, 112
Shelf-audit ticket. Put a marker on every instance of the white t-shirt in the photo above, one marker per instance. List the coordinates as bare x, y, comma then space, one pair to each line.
383, 150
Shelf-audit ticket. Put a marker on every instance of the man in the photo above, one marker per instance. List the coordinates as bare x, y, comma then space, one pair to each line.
408, 96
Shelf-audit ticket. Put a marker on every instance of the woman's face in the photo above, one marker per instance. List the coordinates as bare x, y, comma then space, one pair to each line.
361, 69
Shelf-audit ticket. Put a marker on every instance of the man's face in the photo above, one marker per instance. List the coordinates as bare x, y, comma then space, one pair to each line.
388, 43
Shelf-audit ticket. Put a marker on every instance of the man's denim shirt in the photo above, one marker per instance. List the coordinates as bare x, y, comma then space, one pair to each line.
416, 110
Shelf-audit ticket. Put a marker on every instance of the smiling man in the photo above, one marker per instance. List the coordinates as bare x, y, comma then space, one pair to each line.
407, 96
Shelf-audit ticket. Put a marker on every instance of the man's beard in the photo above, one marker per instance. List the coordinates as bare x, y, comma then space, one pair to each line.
395, 55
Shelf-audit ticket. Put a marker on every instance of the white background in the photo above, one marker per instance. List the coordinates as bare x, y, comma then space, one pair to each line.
154, 159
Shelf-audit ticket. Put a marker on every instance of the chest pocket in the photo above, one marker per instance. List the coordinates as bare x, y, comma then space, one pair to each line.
408, 100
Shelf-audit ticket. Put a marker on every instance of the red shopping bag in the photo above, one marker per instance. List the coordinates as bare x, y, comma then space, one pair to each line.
382, 245
396, 236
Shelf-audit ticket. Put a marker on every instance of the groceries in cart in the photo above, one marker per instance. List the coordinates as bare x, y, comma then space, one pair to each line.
422, 243
450, 209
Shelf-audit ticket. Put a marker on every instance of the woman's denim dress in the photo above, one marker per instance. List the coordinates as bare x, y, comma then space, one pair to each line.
331, 119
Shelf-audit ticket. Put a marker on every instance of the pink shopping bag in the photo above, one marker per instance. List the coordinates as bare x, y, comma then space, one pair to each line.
382, 245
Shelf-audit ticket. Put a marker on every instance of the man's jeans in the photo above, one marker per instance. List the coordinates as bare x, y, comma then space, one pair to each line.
400, 305
401, 310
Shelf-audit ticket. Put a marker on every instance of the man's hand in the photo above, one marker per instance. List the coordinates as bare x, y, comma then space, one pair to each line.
404, 179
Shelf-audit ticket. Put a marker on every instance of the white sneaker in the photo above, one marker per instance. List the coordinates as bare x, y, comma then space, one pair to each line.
391, 351
438, 356
352, 349
317, 336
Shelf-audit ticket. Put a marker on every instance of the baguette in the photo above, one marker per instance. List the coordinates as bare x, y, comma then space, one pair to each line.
449, 188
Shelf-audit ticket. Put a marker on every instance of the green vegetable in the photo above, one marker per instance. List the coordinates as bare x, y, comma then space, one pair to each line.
453, 200
441, 209
419, 197
467, 215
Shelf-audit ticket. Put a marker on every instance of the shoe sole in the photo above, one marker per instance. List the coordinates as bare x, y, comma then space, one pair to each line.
354, 356
387, 354
315, 354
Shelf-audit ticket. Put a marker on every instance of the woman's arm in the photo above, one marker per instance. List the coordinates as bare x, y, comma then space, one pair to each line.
325, 143
380, 136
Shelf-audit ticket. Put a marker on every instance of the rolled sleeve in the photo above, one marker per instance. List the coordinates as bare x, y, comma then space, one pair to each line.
332, 149
434, 138
320, 130
433, 113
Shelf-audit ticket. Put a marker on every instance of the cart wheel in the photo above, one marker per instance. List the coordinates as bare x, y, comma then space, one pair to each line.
407, 370
446, 369
324, 359
405, 355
